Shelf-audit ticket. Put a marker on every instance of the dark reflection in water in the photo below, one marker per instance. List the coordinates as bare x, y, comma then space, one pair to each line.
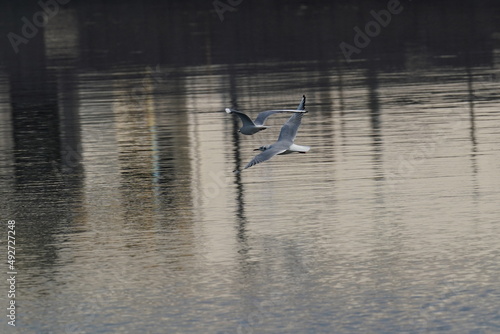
110, 34
116, 162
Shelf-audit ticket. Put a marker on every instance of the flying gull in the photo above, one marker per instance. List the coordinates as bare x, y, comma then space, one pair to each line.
251, 127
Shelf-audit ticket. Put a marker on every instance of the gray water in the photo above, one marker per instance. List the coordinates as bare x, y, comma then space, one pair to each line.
129, 218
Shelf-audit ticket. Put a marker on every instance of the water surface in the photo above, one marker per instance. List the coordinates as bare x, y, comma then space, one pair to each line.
129, 218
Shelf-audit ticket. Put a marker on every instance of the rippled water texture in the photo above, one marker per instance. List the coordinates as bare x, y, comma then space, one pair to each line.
117, 161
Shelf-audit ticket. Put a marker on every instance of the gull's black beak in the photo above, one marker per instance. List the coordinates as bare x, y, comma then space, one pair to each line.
256, 149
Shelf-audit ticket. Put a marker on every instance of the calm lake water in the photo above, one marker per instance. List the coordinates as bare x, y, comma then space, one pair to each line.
129, 218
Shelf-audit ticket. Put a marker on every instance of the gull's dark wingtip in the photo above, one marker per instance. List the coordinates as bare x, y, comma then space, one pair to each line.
302, 104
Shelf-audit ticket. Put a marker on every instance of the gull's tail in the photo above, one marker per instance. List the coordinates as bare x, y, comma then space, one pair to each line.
302, 105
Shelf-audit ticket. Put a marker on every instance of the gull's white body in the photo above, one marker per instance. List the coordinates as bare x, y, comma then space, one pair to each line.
297, 148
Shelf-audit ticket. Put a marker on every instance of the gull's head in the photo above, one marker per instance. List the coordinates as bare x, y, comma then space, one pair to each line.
262, 148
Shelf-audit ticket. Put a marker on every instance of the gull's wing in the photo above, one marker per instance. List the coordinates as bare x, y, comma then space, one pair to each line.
244, 118
261, 117
302, 104
289, 129
266, 155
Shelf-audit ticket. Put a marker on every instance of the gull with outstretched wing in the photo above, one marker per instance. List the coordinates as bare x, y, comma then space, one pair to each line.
251, 127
